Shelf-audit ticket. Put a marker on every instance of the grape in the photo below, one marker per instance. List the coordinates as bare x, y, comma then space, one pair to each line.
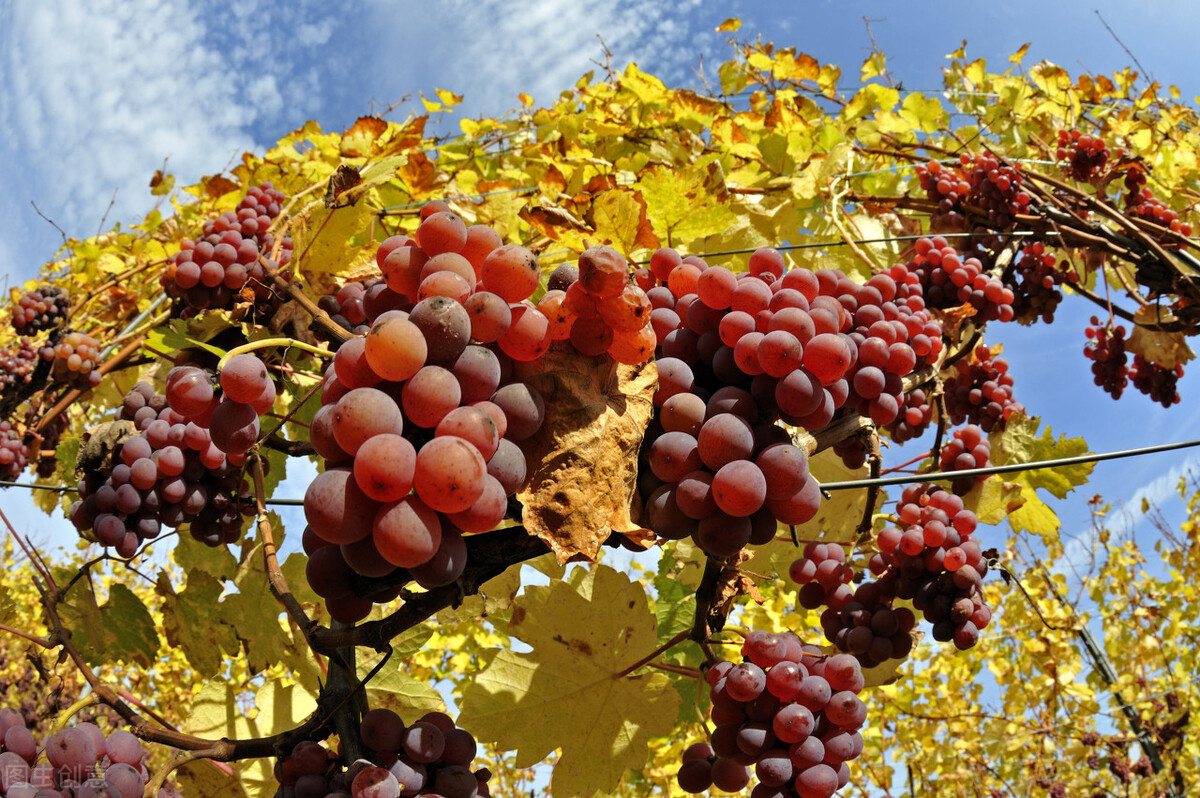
244, 378
508, 466
447, 563
382, 730
478, 373
723, 439
523, 409
424, 742
603, 272
445, 325
511, 272
407, 532
490, 316
362, 414
474, 425
430, 395
234, 427
384, 467
375, 782
395, 348
739, 488
528, 335
449, 474
337, 509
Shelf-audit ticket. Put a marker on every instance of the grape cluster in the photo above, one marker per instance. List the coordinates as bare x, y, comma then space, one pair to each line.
823, 576
418, 425
1155, 381
915, 416
867, 625
995, 188
980, 180
934, 562
168, 474
43, 444
1106, 349
737, 353
967, 448
431, 757
14, 452
231, 417
599, 311
1036, 295
17, 365
74, 358
228, 259
356, 305
787, 712
1083, 157
1142, 204
949, 280
43, 308
80, 761
980, 392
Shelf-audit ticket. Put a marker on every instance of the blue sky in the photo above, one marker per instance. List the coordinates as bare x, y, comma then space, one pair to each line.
96, 94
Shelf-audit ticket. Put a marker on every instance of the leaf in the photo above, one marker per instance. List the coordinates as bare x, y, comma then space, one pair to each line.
253, 612
192, 622
396, 690
323, 240
923, 113
130, 635
161, 184
619, 219
180, 334
208, 778
1161, 348
565, 692
192, 555
685, 204
1019, 444
584, 458
731, 24
1019, 55
525, 99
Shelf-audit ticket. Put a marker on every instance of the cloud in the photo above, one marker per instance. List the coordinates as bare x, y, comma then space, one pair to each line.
492, 49
95, 94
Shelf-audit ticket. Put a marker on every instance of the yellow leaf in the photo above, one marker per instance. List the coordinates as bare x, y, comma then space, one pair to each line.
1162, 348
448, 98
619, 219
525, 99
430, 105
685, 204
359, 140
731, 24
874, 66
161, 184
110, 263
566, 693
1019, 55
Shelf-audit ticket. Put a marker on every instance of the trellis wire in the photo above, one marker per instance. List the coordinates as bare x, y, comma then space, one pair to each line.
855, 483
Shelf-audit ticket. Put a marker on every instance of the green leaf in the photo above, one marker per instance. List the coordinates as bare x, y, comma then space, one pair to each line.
192, 555
253, 612
193, 623
130, 635
181, 334
565, 692
394, 689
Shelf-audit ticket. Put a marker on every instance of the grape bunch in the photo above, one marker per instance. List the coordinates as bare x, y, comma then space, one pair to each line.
74, 357
787, 715
431, 757
1083, 157
419, 425
934, 562
736, 353
868, 626
227, 262
967, 448
231, 417
357, 304
948, 187
43, 308
1106, 349
823, 575
17, 365
79, 761
169, 473
995, 188
600, 311
14, 452
980, 391
915, 416
1036, 295
1142, 204
1155, 381
949, 280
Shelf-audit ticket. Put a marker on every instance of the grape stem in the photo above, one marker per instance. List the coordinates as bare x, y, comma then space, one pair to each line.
875, 458
60, 720
665, 647
35, 640
271, 342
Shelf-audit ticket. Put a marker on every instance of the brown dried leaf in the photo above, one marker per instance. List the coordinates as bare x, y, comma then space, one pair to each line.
954, 319
359, 140
585, 478
219, 186
345, 178
1161, 348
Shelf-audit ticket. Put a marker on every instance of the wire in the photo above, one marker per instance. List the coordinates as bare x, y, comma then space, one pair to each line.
1008, 468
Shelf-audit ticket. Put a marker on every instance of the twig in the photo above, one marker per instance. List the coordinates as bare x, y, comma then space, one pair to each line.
275, 578
875, 458
104, 218
667, 646
31, 638
53, 224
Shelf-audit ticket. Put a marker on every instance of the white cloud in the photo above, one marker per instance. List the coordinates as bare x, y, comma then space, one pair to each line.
493, 49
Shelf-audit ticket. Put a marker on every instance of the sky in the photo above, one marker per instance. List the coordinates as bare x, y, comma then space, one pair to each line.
95, 95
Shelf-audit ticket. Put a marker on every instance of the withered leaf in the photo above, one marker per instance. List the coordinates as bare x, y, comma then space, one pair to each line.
584, 476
